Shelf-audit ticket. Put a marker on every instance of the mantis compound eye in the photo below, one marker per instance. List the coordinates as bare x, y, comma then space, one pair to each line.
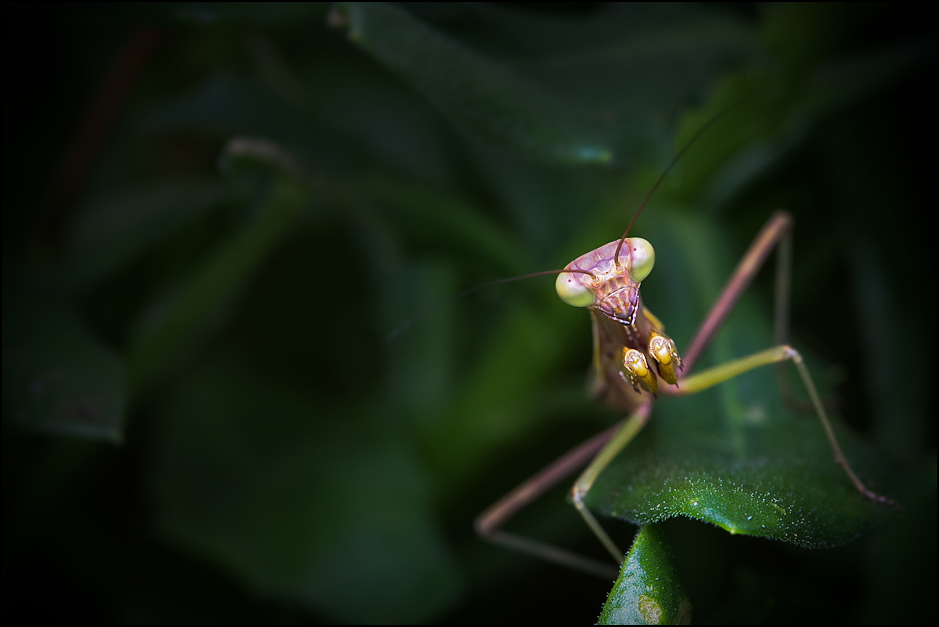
573, 292
643, 258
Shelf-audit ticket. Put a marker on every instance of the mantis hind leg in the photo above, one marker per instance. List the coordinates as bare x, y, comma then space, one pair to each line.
778, 355
777, 233
609, 443
489, 524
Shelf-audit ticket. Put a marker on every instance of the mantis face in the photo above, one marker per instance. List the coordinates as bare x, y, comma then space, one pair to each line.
606, 283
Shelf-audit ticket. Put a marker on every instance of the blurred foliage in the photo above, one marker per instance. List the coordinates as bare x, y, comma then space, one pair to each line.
214, 215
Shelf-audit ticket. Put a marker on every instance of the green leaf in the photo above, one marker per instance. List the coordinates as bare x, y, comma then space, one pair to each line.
57, 378
647, 591
299, 501
482, 96
113, 231
433, 214
561, 91
181, 317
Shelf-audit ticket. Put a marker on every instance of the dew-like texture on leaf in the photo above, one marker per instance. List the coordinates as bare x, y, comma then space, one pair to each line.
648, 591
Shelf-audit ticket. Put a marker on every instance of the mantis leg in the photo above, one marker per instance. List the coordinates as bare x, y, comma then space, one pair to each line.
776, 231
627, 430
775, 234
777, 355
488, 524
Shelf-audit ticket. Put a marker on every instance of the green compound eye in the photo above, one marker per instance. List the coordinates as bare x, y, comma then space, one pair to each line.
643, 258
572, 291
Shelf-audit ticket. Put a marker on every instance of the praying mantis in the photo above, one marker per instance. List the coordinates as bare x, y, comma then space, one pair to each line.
635, 362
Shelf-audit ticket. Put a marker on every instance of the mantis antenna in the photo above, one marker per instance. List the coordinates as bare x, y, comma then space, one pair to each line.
443, 302
405, 324
671, 165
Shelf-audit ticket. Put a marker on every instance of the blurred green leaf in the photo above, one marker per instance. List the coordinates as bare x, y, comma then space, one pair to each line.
179, 319
298, 500
228, 103
516, 100
485, 98
57, 378
113, 232
439, 217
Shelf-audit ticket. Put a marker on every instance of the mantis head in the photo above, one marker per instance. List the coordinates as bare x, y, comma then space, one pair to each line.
593, 278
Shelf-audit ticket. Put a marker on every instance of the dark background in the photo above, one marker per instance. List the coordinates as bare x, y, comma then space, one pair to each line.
279, 461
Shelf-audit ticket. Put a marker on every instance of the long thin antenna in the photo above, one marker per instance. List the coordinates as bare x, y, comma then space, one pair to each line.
405, 324
671, 165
